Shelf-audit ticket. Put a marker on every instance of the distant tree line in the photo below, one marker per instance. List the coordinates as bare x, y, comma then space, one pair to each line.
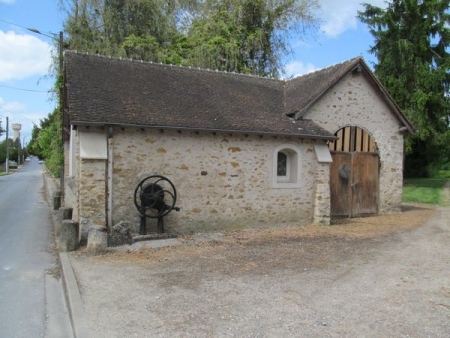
14, 149
46, 142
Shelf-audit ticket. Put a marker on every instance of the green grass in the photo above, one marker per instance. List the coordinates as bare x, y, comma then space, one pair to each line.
425, 190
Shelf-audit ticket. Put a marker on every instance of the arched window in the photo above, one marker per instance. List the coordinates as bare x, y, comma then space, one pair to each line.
286, 169
283, 165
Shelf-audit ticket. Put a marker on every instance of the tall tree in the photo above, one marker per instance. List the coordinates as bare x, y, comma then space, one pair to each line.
248, 36
233, 35
411, 44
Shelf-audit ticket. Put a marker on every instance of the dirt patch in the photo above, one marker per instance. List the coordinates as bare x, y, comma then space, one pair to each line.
312, 245
374, 277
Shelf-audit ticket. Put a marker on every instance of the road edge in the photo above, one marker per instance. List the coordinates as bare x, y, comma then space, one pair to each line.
74, 304
75, 307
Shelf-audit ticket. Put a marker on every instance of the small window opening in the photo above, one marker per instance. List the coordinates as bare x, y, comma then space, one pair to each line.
286, 169
283, 165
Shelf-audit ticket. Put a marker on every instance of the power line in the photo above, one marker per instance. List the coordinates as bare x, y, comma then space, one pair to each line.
27, 28
28, 90
12, 23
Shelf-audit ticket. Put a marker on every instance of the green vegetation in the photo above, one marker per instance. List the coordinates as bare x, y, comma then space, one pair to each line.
412, 40
14, 147
425, 190
245, 36
46, 143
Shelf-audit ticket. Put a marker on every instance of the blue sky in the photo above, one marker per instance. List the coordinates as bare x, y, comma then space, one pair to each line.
25, 57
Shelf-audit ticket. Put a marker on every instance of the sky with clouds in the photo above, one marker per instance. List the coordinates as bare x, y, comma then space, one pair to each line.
25, 57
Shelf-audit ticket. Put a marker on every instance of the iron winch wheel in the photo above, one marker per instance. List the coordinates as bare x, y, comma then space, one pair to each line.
155, 196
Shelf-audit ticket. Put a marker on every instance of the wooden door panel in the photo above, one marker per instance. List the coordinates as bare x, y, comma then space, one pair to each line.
364, 184
354, 184
340, 180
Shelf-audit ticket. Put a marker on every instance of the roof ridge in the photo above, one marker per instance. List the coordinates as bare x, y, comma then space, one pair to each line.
171, 65
357, 58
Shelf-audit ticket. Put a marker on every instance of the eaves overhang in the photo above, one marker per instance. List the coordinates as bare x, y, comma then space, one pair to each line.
234, 131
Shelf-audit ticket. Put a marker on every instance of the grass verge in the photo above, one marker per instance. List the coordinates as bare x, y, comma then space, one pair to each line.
424, 190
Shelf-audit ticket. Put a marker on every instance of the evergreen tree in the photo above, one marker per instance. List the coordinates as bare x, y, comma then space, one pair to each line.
411, 44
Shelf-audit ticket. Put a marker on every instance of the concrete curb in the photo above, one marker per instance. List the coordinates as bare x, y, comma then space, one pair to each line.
74, 305
77, 316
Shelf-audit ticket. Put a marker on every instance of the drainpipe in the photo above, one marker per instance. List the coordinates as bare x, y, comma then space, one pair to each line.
109, 206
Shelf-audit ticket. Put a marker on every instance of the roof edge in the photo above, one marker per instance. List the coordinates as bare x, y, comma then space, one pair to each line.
352, 63
390, 100
99, 124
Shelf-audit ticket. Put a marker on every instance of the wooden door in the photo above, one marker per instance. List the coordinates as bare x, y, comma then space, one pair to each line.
354, 184
340, 181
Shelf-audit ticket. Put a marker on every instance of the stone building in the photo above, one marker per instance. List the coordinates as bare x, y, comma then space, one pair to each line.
242, 151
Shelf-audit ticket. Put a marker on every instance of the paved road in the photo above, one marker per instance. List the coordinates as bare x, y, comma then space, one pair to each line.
31, 298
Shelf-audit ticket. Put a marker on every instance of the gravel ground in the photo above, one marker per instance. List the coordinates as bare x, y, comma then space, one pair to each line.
386, 276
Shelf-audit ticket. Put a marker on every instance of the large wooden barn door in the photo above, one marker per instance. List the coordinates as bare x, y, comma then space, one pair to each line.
354, 175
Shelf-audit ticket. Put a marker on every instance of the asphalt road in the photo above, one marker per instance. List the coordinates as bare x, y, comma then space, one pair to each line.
31, 297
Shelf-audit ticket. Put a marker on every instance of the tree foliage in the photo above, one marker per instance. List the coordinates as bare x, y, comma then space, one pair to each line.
49, 143
411, 44
13, 146
46, 142
232, 35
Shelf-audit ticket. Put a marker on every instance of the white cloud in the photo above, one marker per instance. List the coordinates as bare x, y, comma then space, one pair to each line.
12, 106
339, 16
297, 68
19, 113
22, 56
8, 2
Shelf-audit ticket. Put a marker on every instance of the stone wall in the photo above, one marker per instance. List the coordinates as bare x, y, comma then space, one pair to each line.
222, 180
354, 102
92, 195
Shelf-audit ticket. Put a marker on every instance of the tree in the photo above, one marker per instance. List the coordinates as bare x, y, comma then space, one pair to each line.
33, 146
232, 35
411, 44
49, 142
46, 142
14, 147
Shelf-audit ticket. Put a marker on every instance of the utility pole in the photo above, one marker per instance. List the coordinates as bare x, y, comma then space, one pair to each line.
61, 107
23, 150
7, 145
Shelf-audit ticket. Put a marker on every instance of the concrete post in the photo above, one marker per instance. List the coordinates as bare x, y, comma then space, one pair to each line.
68, 236
56, 200
97, 242
64, 214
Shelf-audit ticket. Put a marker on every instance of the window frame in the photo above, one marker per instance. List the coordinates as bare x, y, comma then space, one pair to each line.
293, 169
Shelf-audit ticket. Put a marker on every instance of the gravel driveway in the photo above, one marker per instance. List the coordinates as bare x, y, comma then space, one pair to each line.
386, 276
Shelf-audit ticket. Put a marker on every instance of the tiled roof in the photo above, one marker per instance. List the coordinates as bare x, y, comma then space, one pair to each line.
302, 91
112, 91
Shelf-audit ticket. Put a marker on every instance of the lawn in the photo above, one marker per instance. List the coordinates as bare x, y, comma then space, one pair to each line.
425, 190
